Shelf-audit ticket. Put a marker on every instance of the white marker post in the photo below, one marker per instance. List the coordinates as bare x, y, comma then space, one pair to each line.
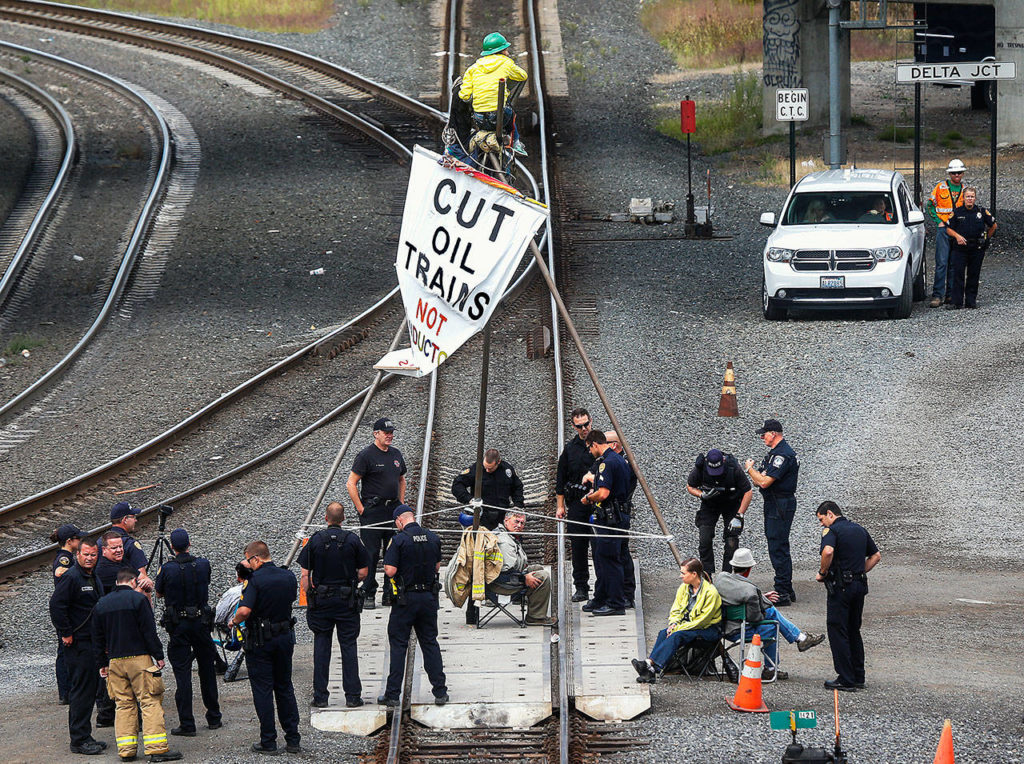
791, 105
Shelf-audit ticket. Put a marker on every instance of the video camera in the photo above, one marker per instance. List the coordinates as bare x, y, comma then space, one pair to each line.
165, 511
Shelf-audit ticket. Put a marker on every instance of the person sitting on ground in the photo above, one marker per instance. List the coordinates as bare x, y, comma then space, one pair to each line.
480, 87
515, 568
736, 589
695, 615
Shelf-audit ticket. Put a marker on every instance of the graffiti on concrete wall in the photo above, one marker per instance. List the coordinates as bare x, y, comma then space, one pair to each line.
782, 44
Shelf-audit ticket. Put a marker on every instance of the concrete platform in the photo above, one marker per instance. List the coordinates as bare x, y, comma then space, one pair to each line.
604, 682
498, 676
373, 667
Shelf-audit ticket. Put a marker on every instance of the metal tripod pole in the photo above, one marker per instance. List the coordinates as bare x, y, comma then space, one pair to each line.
343, 450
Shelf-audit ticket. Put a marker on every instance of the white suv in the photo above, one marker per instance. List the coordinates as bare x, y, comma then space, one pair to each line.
845, 239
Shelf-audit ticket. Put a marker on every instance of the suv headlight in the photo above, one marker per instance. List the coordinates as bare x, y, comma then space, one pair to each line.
779, 254
887, 253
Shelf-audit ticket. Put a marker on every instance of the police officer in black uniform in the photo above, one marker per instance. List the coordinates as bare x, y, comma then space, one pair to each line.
610, 507
499, 487
777, 480
628, 570
333, 563
574, 462
69, 537
412, 561
111, 561
380, 468
724, 492
847, 556
970, 227
123, 520
74, 597
266, 609
184, 583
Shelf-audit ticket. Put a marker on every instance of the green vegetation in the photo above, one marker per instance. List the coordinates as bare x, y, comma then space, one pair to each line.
706, 33
18, 343
263, 15
729, 124
897, 134
859, 121
709, 34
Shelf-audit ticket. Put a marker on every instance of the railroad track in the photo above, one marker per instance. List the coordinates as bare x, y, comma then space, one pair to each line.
68, 496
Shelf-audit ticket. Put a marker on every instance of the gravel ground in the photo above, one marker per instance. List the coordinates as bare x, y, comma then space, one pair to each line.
14, 159
885, 416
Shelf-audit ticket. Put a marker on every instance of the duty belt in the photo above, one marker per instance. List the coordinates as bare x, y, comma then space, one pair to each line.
420, 587
190, 612
331, 591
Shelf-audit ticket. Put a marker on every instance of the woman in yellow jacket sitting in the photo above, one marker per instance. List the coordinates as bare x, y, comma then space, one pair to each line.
696, 614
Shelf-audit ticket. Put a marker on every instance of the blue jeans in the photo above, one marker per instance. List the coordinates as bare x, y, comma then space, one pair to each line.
666, 644
941, 262
787, 630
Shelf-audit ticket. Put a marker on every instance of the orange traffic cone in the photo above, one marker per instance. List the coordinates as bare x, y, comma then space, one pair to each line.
727, 403
944, 753
302, 594
748, 694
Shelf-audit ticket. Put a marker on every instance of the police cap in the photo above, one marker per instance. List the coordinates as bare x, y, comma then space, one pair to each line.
770, 425
384, 424
179, 539
400, 510
715, 462
68, 531
121, 510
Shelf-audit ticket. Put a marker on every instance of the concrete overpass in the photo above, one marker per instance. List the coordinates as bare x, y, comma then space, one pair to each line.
796, 55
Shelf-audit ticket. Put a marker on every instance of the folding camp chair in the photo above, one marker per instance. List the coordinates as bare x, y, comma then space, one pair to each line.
695, 659
746, 633
506, 603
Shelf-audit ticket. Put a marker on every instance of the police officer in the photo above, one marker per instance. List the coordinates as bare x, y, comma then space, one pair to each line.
628, 569
123, 520
130, 655
847, 556
724, 492
574, 462
69, 537
110, 563
333, 563
184, 583
380, 468
777, 482
609, 502
970, 227
412, 561
266, 609
499, 487
75, 595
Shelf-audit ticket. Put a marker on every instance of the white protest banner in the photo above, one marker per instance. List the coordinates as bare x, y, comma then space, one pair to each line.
463, 234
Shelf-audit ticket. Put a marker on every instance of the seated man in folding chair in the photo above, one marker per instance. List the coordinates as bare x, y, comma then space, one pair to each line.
736, 589
695, 615
516, 572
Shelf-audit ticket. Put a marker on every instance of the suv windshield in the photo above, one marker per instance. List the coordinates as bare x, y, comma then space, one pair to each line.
872, 207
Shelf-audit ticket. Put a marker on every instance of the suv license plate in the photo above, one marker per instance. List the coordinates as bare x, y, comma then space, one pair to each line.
833, 282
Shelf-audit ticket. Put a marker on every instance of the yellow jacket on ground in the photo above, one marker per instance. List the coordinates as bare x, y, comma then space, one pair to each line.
480, 82
706, 611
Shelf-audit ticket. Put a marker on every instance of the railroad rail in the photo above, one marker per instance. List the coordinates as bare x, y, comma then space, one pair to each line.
49, 173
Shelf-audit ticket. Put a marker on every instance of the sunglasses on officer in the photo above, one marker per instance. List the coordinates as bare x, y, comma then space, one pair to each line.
583, 426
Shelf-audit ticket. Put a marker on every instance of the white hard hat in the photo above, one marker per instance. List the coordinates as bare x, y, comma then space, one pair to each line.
956, 166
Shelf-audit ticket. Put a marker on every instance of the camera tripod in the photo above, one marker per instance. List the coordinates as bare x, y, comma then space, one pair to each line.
161, 547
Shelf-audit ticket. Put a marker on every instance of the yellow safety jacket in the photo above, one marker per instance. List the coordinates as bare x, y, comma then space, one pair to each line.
707, 610
480, 82
478, 558
943, 199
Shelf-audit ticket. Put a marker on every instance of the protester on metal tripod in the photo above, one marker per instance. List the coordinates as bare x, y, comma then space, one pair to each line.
480, 87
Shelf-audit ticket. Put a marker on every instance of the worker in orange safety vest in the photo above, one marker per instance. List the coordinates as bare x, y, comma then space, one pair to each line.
946, 195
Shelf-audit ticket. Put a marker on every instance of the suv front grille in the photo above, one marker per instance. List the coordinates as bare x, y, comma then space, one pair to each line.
832, 260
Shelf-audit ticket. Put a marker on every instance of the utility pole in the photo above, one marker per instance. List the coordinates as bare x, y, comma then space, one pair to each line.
835, 103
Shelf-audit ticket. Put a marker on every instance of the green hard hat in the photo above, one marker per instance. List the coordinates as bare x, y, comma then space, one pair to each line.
495, 42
